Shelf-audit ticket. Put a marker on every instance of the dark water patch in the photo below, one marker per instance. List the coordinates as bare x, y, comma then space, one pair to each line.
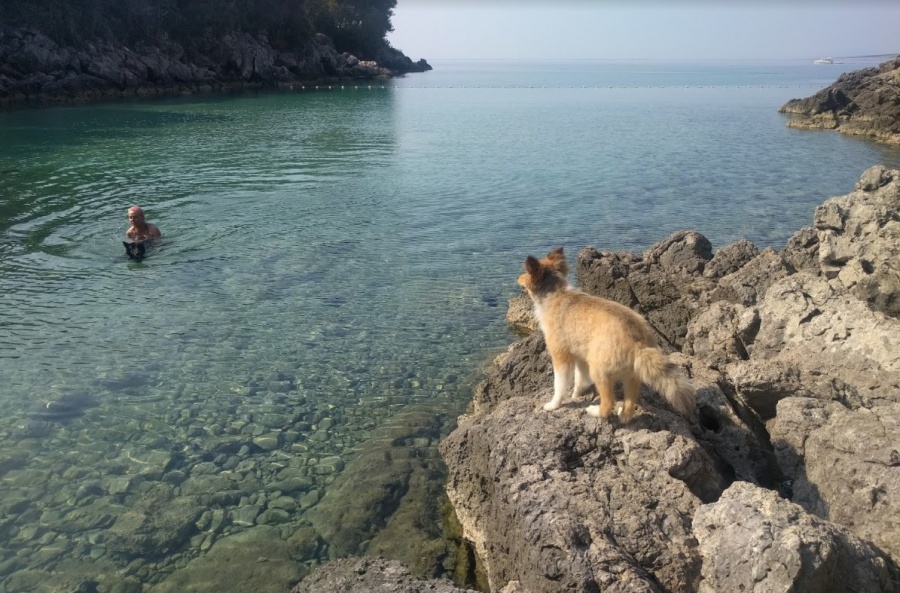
336, 248
51, 128
334, 300
130, 383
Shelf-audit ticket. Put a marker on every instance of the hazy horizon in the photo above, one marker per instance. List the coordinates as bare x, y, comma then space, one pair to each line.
645, 29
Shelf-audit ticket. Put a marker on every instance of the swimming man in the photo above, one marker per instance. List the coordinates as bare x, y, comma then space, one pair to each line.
140, 229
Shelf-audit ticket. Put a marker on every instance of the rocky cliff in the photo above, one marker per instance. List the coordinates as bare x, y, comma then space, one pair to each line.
862, 103
35, 69
786, 478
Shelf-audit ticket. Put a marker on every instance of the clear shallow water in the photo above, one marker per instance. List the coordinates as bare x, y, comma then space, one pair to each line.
343, 254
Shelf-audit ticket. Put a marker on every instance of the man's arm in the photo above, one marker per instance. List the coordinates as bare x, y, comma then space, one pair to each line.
154, 230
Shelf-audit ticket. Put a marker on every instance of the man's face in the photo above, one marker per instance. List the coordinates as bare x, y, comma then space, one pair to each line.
135, 216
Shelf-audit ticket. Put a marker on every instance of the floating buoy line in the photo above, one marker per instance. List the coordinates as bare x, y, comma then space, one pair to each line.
371, 87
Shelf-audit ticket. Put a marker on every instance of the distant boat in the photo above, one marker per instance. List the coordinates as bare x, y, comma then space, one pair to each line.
824, 61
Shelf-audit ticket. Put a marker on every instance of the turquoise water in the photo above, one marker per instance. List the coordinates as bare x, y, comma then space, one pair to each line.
340, 254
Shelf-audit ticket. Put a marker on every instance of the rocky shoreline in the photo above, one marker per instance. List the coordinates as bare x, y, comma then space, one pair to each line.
787, 478
35, 70
861, 103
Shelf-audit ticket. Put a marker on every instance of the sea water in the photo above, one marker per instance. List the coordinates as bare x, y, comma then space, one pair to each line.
332, 257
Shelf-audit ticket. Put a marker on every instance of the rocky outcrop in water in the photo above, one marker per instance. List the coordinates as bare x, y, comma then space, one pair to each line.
35, 69
862, 103
787, 478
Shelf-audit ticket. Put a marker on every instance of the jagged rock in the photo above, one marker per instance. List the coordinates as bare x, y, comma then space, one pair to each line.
727, 429
874, 178
859, 239
605, 274
750, 281
394, 59
32, 52
751, 539
682, 252
722, 333
247, 56
524, 367
729, 259
816, 338
31, 83
802, 251
845, 464
370, 575
862, 103
520, 314
662, 285
813, 337
562, 502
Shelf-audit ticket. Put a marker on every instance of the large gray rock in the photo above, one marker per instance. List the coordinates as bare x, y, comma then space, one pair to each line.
563, 502
247, 56
845, 464
726, 427
723, 333
753, 540
816, 340
524, 368
730, 258
520, 314
802, 251
749, 282
662, 285
859, 239
807, 337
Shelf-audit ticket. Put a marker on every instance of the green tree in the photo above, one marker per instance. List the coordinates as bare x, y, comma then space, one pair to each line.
357, 26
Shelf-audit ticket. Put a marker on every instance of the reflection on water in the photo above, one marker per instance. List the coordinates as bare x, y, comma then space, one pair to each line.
332, 278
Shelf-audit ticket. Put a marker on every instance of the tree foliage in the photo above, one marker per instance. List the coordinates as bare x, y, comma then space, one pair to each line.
357, 26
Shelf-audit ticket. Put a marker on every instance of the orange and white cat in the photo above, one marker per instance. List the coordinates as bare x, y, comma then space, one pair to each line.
595, 340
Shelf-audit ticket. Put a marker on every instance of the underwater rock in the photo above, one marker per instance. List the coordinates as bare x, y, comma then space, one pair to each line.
65, 407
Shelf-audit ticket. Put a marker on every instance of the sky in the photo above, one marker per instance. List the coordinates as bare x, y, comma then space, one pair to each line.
645, 29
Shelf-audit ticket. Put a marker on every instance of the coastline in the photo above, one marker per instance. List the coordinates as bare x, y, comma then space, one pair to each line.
863, 103
36, 71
